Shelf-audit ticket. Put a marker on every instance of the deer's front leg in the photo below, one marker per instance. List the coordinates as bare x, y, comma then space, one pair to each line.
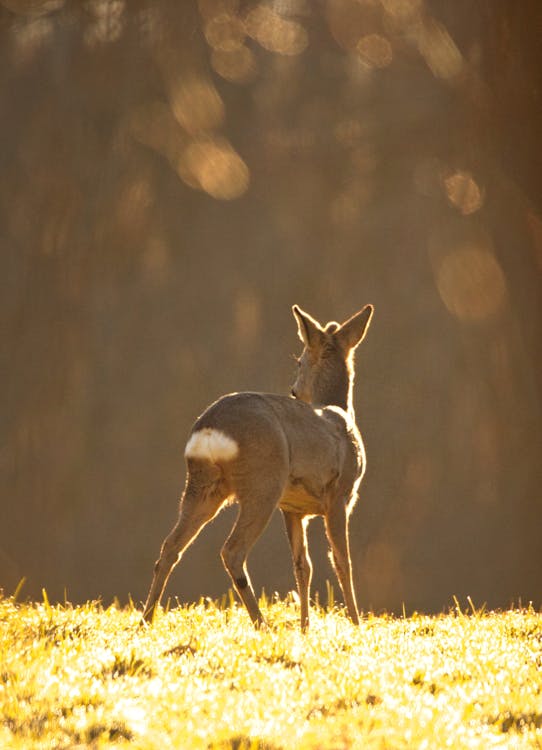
336, 523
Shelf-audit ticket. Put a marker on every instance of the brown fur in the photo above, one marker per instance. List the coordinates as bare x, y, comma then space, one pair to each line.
303, 454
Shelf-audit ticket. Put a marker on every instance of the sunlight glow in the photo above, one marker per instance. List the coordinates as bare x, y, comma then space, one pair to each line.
202, 676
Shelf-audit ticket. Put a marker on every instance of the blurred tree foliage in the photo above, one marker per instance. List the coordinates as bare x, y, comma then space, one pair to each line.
174, 175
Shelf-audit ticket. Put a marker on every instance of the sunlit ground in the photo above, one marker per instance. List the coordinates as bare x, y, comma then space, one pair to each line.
202, 677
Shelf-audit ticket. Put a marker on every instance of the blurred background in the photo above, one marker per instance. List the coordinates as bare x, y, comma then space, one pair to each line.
174, 176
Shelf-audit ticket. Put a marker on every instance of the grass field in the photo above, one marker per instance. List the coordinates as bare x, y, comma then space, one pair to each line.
202, 677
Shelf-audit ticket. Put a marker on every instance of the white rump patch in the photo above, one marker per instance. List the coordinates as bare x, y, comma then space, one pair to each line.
212, 445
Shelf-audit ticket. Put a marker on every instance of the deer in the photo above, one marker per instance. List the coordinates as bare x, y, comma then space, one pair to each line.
302, 453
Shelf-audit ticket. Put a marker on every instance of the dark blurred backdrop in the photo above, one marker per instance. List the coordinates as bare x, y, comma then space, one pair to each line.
173, 176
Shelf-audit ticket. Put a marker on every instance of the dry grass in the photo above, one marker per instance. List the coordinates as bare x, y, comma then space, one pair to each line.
202, 677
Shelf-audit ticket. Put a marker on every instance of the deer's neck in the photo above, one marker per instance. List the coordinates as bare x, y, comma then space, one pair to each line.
336, 390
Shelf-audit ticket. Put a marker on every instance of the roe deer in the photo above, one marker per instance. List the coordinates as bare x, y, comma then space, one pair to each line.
303, 454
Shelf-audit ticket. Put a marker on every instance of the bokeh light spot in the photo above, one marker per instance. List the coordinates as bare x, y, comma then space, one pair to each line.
217, 167
196, 104
237, 66
347, 206
30, 37
402, 9
210, 8
225, 32
274, 33
471, 283
154, 125
32, 7
348, 22
463, 192
375, 50
439, 50
133, 203
107, 22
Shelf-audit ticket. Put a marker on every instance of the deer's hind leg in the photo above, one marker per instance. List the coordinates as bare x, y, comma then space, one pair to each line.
256, 508
336, 523
296, 528
202, 499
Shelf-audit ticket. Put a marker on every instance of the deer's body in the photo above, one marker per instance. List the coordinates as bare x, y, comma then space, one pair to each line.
304, 455
317, 452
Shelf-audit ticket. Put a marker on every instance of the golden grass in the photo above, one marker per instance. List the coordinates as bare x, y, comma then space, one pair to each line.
202, 677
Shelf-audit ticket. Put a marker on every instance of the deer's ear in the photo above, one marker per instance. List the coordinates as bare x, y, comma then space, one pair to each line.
352, 332
308, 329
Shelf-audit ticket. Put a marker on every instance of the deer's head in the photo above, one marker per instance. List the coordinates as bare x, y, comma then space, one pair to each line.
326, 368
